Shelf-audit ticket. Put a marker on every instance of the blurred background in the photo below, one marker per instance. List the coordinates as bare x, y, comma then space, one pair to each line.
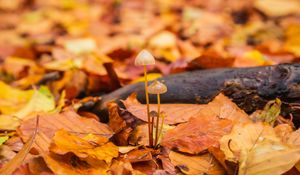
88, 47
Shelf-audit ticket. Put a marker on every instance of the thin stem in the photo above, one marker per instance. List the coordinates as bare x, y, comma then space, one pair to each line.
161, 125
157, 120
148, 107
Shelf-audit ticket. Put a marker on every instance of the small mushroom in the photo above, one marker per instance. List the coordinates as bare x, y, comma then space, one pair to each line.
145, 58
157, 88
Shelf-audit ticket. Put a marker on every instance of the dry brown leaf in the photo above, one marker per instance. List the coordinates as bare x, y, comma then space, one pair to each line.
68, 120
223, 107
175, 113
138, 155
220, 157
116, 123
198, 134
200, 164
123, 167
167, 164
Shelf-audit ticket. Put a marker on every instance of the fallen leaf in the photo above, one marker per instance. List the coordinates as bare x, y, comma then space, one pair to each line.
198, 134
292, 43
167, 164
294, 138
126, 149
220, 157
14, 163
268, 157
270, 112
60, 165
84, 148
150, 77
82, 45
243, 137
123, 167
41, 101
283, 131
138, 155
200, 164
278, 7
209, 60
68, 120
13, 99
224, 108
116, 123
3, 139
175, 113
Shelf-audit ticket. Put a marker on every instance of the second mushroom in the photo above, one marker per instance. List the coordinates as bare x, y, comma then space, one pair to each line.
157, 88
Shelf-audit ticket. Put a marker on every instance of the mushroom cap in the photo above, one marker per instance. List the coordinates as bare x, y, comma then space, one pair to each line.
144, 58
157, 88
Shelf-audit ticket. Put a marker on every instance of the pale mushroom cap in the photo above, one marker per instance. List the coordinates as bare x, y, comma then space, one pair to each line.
157, 88
144, 58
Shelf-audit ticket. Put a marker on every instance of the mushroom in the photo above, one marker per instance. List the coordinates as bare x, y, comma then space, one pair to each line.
157, 88
145, 58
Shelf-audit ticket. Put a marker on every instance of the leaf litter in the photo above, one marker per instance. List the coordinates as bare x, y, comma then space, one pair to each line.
58, 57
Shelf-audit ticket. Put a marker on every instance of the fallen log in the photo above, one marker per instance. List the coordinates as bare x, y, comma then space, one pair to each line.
249, 88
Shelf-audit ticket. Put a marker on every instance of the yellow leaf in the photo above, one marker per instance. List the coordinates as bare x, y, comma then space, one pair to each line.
243, 137
292, 43
83, 45
13, 99
257, 58
41, 101
63, 65
278, 7
268, 157
150, 77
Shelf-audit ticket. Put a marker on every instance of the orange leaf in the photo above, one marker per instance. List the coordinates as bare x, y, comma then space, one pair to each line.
91, 147
198, 134
68, 120
175, 113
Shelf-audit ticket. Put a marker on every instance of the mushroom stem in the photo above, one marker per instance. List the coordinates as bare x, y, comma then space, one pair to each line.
157, 120
148, 107
161, 125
